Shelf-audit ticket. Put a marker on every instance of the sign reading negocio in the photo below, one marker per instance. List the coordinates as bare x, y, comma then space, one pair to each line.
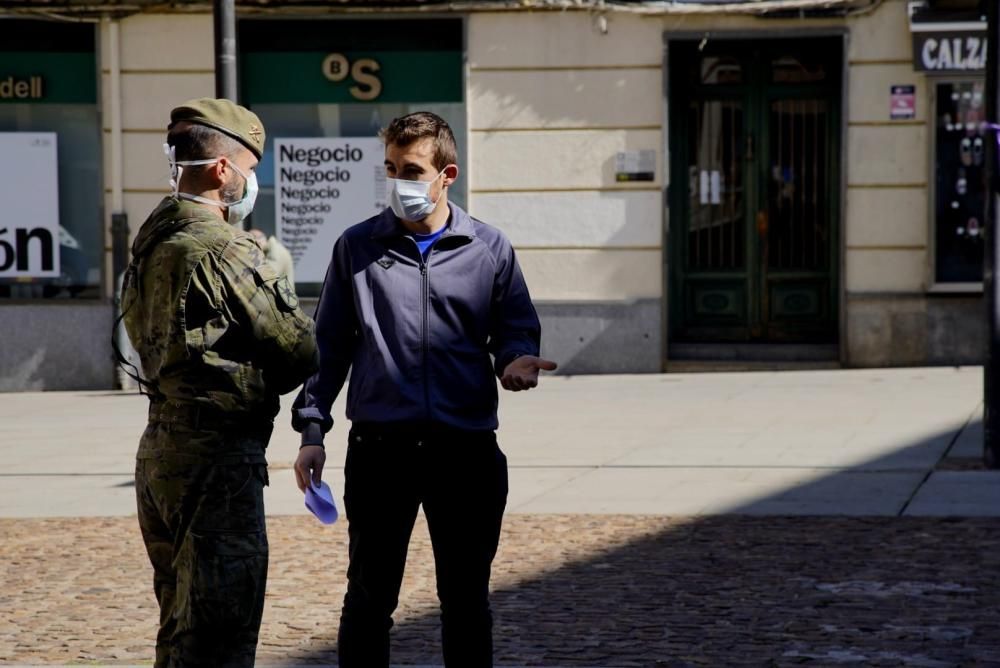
323, 185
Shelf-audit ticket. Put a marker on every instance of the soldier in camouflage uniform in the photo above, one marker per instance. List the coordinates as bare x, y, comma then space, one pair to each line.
220, 336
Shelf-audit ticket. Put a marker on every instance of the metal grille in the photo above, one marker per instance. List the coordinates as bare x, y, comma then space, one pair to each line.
798, 226
716, 227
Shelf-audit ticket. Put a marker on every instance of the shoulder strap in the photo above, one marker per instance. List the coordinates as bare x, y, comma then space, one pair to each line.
145, 387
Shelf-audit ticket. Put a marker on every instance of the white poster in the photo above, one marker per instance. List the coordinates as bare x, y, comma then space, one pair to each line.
29, 217
323, 185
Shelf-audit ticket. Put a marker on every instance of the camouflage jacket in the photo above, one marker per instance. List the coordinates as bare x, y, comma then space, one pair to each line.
213, 323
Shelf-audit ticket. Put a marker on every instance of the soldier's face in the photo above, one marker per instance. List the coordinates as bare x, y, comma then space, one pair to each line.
234, 185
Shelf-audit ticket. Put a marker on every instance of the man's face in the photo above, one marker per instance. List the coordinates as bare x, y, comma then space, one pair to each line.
233, 187
415, 162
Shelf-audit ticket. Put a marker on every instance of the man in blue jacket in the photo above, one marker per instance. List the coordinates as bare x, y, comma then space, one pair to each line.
416, 301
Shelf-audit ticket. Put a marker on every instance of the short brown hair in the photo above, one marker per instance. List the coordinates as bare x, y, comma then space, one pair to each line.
200, 142
405, 130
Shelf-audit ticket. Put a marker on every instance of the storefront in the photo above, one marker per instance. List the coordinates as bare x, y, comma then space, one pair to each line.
324, 88
949, 52
950, 49
792, 183
51, 222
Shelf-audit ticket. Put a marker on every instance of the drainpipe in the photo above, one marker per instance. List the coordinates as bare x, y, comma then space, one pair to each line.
224, 17
119, 221
115, 112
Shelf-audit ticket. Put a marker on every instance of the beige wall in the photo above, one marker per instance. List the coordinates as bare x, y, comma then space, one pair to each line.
887, 221
164, 59
551, 101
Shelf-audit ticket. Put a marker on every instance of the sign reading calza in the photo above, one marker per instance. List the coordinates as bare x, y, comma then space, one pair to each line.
952, 51
29, 217
323, 185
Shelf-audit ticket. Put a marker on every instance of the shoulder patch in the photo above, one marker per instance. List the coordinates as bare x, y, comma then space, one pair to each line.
286, 294
385, 262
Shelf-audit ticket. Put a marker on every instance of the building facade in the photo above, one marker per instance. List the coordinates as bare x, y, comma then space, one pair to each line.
795, 181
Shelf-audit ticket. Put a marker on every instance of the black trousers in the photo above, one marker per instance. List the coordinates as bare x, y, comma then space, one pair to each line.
460, 478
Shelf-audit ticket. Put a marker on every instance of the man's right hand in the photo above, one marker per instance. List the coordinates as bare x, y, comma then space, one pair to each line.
309, 465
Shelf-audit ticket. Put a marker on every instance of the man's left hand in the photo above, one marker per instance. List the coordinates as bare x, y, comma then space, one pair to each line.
309, 466
522, 373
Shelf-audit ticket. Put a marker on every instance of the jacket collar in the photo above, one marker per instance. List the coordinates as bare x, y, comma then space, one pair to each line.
387, 225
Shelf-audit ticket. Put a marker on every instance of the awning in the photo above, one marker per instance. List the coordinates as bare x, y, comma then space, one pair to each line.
90, 8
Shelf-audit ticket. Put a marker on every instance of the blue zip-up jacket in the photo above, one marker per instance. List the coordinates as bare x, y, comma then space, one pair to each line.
417, 335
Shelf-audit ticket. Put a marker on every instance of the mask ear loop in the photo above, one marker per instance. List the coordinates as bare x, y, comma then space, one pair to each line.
443, 186
175, 169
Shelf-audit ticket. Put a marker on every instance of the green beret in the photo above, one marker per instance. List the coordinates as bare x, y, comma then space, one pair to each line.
225, 116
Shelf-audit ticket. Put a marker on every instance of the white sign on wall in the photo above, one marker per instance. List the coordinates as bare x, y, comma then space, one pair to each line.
29, 217
323, 185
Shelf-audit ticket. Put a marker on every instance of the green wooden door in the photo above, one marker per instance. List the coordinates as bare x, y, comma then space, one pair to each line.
754, 191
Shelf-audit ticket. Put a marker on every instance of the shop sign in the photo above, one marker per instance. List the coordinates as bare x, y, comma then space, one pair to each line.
26, 88
635, 166
363, 74
29, 225
318, 77
323, 185
956, 51
47, 78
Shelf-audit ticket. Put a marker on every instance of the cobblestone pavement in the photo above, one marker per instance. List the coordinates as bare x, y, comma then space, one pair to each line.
569, 591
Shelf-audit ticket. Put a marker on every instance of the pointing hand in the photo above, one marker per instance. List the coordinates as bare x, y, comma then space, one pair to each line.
522, 373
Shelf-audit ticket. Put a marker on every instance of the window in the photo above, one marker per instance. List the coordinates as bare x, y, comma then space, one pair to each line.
48, 93
345, 79
960, 151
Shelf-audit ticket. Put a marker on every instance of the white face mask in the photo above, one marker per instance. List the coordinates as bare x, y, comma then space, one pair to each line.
411, 200
236, 211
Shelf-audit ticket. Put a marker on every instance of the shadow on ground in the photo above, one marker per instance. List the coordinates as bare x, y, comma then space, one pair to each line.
747, 589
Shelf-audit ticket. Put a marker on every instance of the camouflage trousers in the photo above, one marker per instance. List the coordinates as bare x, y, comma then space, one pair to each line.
202, 521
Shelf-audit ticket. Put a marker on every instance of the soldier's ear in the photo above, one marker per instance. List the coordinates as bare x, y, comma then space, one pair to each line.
215, 174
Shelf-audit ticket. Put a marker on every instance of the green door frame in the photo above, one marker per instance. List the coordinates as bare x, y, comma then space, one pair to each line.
756, 96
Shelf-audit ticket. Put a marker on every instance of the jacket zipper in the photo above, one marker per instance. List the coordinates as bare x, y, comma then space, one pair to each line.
426, 289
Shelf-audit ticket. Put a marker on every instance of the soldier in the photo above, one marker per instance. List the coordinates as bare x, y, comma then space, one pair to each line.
220, 335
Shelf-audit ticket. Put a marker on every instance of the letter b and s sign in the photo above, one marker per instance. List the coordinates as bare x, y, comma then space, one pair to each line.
336, 68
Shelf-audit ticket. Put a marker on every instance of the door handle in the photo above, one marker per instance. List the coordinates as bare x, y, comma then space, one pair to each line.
762, 221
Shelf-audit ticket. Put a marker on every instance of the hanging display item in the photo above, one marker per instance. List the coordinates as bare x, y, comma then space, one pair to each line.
960, 137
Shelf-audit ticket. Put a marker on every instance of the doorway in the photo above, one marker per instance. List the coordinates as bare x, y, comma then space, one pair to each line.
755, 191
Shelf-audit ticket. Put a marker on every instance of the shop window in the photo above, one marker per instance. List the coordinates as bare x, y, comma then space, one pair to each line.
51, 237
960, 152
342, 80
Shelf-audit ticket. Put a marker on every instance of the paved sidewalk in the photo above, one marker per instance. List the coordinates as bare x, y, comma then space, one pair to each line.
864, 442
569, 590
800, 518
